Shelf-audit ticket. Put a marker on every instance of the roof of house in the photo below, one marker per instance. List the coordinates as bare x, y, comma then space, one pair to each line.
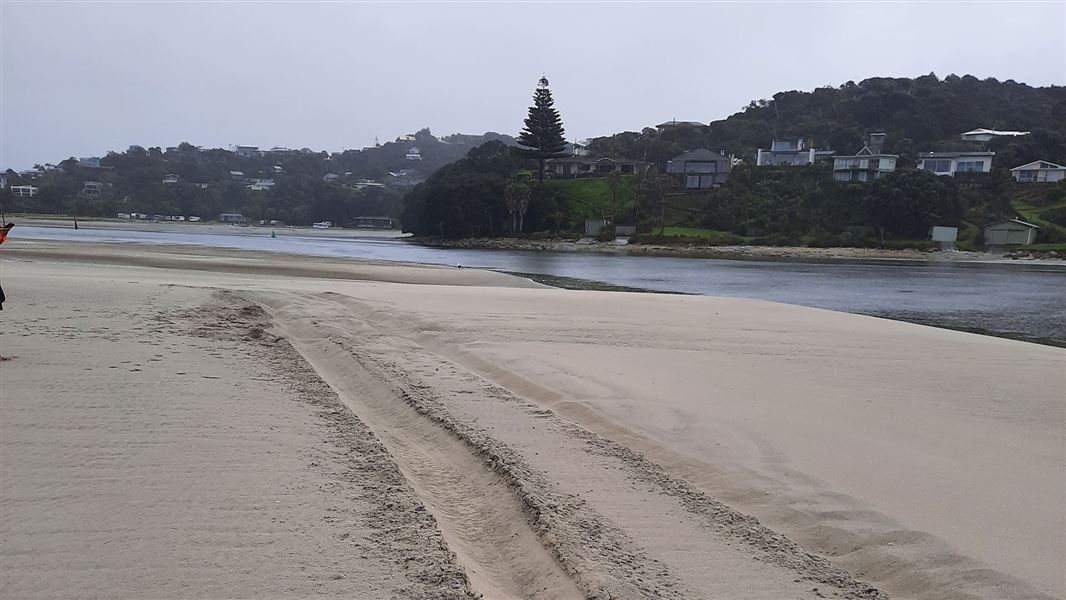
981, 130
675, 123
865, 153
700, 155
591, 161
1040, 164
953, 154
1018, 221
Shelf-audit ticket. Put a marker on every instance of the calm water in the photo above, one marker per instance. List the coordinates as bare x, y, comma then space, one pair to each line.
1014, 300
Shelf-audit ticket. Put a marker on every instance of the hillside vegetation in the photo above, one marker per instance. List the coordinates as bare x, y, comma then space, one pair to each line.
304, 186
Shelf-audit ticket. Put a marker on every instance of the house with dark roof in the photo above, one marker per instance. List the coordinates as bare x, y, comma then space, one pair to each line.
700, 169
675, 124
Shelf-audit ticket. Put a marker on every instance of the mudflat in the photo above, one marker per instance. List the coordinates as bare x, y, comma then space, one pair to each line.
216, 423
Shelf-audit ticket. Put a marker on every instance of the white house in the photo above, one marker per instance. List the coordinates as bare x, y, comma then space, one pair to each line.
23, 191
867, 164
949, 163
328, 177
246, 151
171, 179
1010, 232
92, 188
413, 153
260, 185
90, 162
1039, 171
984, 135
788, 153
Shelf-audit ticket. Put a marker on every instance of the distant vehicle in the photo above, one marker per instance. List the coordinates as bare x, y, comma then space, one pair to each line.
194, 219
322, 225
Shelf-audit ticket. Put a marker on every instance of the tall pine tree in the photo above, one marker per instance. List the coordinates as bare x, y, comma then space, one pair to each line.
542, 137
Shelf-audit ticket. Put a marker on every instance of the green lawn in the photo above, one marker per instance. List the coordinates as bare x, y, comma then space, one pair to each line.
1033, 214
590, 197
695, 232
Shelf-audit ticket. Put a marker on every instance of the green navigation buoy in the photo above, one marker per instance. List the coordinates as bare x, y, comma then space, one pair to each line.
273, 234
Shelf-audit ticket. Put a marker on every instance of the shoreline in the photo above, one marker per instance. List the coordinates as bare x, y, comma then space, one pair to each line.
758, 253
173, 256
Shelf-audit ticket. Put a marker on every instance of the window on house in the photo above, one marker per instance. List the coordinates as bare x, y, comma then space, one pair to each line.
971, 166
938, 165
843, 176
700, 167
627, 169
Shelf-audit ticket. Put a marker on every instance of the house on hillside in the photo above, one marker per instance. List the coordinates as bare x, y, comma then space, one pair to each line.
238, 176
92, 188
330, 177
363, 184
373, 222
984, 135
403, 178
171, 179
24, 191
1010, 232
261, 185
577, 148
30, 173
89, 162
785, 153
867, 164
949, 163
413, 153
233, 218
583, 166
1039, 171
700, 169
675, 124
3, 181
246, 151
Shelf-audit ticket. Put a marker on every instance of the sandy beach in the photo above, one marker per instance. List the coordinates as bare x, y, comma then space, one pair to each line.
191, 422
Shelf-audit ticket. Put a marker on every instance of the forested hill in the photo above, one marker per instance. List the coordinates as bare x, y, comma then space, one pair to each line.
295, 186
922, 114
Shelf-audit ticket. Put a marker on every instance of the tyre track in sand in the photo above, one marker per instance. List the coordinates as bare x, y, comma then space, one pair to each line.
479, 516
613, 520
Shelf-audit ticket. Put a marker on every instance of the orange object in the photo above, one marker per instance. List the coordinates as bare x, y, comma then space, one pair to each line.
3, 233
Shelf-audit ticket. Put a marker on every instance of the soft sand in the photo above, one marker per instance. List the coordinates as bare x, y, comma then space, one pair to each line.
928, 462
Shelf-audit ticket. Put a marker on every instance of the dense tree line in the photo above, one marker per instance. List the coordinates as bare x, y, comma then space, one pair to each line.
921, 114
133, 181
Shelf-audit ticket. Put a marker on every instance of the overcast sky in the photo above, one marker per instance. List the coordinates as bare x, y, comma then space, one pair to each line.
80, 79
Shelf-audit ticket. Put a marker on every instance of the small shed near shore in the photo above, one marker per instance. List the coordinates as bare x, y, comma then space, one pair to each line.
1010, 232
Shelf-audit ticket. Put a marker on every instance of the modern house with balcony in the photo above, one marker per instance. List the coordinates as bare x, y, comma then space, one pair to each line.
700, 169
867, 164
949, 163
785, 153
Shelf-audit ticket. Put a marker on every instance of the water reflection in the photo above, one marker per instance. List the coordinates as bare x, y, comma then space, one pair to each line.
1028, 301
